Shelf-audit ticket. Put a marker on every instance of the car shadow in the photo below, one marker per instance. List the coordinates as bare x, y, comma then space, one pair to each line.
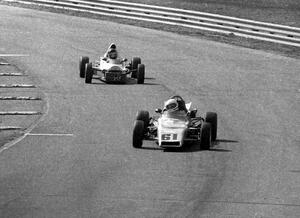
152, 148
196, 148
129, 81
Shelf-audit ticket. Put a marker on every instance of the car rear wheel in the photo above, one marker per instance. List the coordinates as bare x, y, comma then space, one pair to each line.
138, 134
134, 65
140, 74
212, 118
82, 62
88, 73
205, 136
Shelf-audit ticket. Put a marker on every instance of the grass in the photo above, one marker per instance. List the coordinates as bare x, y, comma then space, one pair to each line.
8, 135
276, 11
286, 12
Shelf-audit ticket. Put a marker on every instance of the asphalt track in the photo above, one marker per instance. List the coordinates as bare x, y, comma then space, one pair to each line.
252, 171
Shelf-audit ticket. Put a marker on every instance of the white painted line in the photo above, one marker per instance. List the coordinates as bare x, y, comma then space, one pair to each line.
9, 128
50, 134
3, 63
12, 74
28, 130
14, 55
17, 86
20, 113
23, 98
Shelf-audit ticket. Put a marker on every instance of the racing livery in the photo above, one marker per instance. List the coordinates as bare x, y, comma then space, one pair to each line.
171, 130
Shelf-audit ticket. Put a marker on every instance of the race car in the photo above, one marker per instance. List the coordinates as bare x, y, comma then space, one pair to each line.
174, 130
111, 70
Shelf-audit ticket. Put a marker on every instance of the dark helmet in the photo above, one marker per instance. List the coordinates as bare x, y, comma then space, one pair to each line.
113, 46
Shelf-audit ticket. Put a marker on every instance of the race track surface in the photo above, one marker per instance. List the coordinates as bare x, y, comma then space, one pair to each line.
252, 171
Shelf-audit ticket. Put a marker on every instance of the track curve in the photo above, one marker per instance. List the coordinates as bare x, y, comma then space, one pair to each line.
251, 172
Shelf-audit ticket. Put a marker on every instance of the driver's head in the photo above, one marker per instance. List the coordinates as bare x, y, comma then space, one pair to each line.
112, 54
171, 105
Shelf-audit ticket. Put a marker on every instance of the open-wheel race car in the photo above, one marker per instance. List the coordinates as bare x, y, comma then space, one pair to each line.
175, 128
112, 70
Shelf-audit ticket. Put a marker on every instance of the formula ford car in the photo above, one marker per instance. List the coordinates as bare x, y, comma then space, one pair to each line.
111, 70
175, 130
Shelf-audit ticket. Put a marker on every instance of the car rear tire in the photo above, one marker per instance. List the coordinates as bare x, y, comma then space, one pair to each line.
212, 118
88, 73
145, 117
134, 65
140, 74
82, 62
205, 136
138, 134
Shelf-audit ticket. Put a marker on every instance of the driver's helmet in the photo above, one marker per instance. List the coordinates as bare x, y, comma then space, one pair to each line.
112, 54
113, 46
171, 105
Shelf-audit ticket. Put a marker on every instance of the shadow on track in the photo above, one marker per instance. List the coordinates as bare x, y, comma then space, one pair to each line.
196, 148
129, 81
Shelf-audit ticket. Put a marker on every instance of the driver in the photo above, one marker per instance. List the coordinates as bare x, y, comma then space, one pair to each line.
111, 52
173, 107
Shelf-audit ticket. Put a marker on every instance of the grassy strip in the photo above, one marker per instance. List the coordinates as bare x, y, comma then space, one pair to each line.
285, 50
9, 135
286, 12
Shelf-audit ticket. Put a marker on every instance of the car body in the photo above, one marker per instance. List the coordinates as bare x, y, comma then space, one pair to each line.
111, 70
176, 129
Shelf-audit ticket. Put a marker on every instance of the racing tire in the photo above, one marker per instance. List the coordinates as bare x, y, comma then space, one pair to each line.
205, 136
140, 74
138, 134
145, 117
82, 62
88, 73
212, 118
134, 65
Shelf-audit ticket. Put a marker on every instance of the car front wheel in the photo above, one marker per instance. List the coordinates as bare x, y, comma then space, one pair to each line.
212, 118
140, 74
134, 65
138, 134
88, 73
205, 136
82, 62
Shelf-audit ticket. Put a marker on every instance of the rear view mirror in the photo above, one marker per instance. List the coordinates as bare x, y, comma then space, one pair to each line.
158, 110
124, 60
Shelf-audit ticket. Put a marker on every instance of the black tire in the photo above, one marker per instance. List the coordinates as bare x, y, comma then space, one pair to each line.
140, 74
88, 73
134, 65
138, 134
212, 118
145, 117
205, 136
82, 62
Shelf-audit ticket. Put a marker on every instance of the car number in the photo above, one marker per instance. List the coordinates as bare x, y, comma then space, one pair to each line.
116, 78
169, 136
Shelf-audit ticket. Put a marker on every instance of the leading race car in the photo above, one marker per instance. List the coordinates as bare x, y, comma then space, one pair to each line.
175, 126
112, 70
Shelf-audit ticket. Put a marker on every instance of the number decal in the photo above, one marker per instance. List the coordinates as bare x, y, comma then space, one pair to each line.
174, 136
117, 78
167, 137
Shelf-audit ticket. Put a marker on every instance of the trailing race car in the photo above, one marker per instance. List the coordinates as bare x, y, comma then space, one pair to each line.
112, 70
175, 126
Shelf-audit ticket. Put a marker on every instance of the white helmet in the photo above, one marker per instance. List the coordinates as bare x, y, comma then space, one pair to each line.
171, 105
